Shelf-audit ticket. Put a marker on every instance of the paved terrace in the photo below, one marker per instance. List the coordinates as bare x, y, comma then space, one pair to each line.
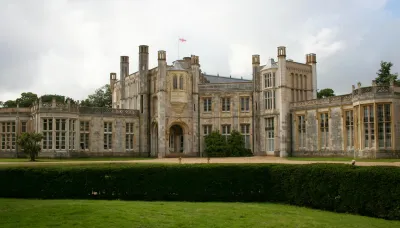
256, 159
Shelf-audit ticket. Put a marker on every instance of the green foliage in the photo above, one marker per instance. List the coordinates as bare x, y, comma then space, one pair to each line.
323, 93
101, 98
232, 146
370, 190
30, 143
27, 99
384, 74
236, 146
215, 145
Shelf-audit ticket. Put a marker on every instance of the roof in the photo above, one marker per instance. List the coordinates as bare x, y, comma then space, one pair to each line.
222, 79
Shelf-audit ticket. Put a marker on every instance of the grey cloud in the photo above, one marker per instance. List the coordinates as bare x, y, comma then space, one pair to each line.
69, 47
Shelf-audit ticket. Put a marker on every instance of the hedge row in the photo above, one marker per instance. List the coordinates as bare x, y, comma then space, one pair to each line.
370, 191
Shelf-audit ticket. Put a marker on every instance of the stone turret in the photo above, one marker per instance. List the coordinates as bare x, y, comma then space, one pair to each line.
124, 67
311, 59
144, 100
255, 60
195, 68
113, 79
162, 100
283, 100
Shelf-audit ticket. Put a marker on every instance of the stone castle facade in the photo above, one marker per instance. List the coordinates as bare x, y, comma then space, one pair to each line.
168, 110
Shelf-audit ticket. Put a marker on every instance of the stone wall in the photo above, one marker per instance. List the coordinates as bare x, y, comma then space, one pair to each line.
235, 117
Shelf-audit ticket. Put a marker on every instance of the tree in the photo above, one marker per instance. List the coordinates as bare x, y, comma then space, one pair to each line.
27, 99
215, 145
236, 146
30, 143
384, 75
323, 93
101, 98
10, 104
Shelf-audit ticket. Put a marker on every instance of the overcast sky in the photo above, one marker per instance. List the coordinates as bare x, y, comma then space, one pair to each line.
70, 47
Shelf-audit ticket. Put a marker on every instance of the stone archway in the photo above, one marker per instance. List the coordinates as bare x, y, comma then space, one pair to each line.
176, 139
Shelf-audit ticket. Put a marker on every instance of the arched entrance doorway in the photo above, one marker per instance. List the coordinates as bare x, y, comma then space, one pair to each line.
176, 139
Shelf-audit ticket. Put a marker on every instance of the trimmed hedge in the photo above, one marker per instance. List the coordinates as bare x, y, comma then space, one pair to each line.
370, 191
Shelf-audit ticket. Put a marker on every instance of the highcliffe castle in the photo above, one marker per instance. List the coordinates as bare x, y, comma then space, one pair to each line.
168, 110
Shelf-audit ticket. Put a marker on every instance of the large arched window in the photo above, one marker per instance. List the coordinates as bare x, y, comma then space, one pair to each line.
181, 82
175, 82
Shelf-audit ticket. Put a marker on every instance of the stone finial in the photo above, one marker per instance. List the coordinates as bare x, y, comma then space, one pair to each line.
313, 58
124, 59
53, 102
162, 55
353, 87
194, 60
358, 84
144, 49
281, 51
256, 59
373, 82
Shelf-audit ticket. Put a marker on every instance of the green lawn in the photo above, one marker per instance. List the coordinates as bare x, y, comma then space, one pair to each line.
85, 213
341, 159
72, 159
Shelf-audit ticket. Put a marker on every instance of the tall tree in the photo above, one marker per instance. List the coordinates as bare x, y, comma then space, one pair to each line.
101, 98
384, 74
327, 92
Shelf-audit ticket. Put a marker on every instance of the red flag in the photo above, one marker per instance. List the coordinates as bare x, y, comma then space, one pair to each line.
182, 40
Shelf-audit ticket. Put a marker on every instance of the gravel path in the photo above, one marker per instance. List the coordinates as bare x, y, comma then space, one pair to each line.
204, 160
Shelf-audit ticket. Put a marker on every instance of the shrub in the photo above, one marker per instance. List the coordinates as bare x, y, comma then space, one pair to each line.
232, 146
30, 143
370, 191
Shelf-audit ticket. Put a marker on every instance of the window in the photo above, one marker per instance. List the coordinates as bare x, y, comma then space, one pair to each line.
226, 130
72, 134
269, 97
244, 104
141, 104
175, 82
8, 136
181, 82
84, 133
270, 134
349, 129
207, 104
23, 127
384, 126
324, 130
207, 129
369, 131
245, 131
129, 137
107, 135
269, 80
301, 129
47, 129
61, 132
226, 104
